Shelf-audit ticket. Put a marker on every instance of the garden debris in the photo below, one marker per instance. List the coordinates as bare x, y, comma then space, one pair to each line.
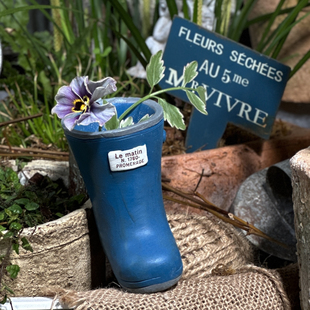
175, 139
198, 201
237, 135
17, 120
18, 152
174, 143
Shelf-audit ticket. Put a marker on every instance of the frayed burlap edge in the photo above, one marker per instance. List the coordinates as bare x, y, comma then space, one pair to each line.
86, 300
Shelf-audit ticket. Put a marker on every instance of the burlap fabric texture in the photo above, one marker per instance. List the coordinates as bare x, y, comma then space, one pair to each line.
218, 274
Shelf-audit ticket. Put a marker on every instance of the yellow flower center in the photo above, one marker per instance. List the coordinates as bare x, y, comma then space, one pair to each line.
81, 105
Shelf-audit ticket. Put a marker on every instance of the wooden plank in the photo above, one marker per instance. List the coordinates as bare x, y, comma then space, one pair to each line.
219, 172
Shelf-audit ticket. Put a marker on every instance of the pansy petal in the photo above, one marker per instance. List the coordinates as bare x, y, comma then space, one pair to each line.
103, 112
61, 110
78, 86
65, 96
87, 118
101, 88
71, 120
103, 82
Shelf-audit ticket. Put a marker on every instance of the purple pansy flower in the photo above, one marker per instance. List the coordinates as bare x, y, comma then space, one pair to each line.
77, 103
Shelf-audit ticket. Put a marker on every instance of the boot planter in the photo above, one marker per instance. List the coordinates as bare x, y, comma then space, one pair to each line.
121, 169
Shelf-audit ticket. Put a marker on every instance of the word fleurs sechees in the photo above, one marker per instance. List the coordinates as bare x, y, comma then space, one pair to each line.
241, 59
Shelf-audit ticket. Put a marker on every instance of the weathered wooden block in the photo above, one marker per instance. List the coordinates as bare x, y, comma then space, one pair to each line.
218, 173
300, 165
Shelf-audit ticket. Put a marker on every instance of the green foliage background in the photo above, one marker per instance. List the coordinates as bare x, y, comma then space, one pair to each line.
101, 39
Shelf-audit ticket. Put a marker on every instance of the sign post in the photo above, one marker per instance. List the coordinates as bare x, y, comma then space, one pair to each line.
243, 87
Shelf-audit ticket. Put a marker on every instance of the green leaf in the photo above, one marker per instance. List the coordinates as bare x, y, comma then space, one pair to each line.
13, 270
31, 206
185, 9
300, 63
127, 122
15, 247
4, 299
172, 114
2, 228
26, 245
190, 72
172, 7
31, 195
2, 216
9, 234
23, 8
32, 221
22, 201
11, 175
144, 118
8, 289
135, 32
155, 69
15, 209
196, 102
105, 53
15, 226
112, 123
202, 93
8, 212
46, 82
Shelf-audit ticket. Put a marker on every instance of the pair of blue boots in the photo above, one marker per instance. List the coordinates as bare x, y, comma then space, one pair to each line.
122, 172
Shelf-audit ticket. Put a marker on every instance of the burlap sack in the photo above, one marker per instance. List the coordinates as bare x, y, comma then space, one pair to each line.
217, 275
249, 289
206, 243
61, 256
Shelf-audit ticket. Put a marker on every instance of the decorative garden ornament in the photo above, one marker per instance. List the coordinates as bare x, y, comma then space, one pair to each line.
121, 167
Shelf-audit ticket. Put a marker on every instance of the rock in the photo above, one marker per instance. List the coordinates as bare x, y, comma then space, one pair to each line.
54, 169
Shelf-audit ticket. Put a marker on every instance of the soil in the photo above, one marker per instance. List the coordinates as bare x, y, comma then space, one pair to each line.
175, 139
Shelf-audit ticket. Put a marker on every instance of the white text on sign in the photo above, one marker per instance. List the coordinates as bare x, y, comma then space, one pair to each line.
242, 109
239, 58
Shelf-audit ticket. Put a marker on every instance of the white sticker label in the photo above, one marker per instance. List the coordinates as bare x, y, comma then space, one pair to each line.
128, 159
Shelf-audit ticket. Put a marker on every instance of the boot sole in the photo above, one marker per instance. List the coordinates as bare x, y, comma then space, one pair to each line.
153, 288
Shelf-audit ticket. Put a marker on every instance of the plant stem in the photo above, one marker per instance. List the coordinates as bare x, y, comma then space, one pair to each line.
152, 96
206, 205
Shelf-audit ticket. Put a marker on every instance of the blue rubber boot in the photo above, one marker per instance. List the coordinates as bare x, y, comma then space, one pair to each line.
122, 172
